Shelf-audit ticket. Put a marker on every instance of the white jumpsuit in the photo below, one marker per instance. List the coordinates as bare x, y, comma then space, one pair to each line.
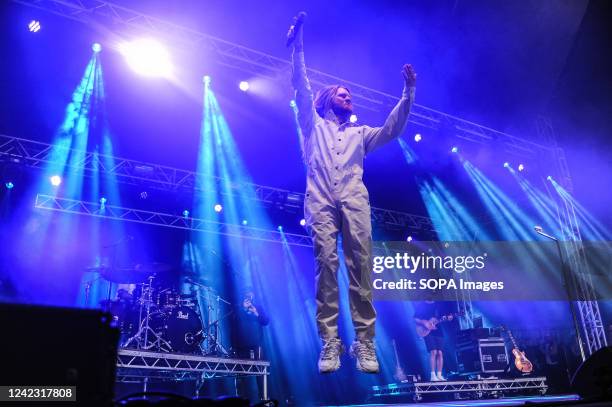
337, 202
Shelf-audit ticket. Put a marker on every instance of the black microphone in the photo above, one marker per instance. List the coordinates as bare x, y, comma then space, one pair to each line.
293, 30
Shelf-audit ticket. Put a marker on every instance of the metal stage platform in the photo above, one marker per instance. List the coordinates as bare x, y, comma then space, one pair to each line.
473, 389
140, 366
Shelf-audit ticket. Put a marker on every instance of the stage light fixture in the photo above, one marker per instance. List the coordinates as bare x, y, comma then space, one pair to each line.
34, 26
96, 47
549, 178
206, 79
409, 239
521, 167
303, 222
353, 118
455, 150
244, 86
506, 164
144, 195
9, 185
103, 201
292, 103
185, 213
147, 57
280, 228
56, 180
418, 137
244, 222
218, 208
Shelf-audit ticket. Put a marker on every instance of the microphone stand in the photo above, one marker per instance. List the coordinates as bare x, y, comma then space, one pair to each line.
566, 283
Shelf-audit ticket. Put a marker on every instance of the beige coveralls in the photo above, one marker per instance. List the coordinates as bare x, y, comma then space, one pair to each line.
337, 201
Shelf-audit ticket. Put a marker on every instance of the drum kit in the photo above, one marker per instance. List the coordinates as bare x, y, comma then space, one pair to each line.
152, 315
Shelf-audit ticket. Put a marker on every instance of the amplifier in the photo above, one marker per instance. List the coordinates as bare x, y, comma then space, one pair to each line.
482, 356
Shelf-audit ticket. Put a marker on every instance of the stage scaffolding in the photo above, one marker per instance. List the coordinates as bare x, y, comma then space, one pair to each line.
116, 18
36, 154
98, 13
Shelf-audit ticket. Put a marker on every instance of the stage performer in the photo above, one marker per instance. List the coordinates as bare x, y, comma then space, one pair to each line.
337, 201
427, 315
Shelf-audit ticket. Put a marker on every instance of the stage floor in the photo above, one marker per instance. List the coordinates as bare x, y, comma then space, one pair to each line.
510, 401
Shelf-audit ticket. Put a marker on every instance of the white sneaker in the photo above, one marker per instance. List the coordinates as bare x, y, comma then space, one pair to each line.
440, 377
434, 377
329, 358
363, 350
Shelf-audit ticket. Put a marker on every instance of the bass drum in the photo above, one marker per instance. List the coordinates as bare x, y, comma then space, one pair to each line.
184, 330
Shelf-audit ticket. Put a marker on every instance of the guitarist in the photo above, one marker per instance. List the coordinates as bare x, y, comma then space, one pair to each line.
427, 315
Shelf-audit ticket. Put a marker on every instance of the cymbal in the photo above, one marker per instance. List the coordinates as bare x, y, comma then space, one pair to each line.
137, 273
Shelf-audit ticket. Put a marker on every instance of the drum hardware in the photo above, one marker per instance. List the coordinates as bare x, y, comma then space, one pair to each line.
142, 336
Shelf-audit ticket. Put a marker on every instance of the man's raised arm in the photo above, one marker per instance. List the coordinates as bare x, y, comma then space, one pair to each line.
303, 92
397, 119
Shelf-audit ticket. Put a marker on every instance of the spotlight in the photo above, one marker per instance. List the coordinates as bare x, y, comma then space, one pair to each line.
147, 57
218, 208
96, 47
144, 195
244, 222
455, 150
418, 137
56, 180
303, 222
549, 178
280, 228
9, 185
244, 86
353, 118
185, 213
409, 239
292, 103
102, 201
506, 164
34, 26
206, 79
521, 167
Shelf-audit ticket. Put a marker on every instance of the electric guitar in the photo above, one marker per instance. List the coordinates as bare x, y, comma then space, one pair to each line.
520, 360
423, 330
399, 374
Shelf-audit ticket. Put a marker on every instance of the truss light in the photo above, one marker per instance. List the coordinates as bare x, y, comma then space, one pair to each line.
549, 178
218, 208
144, 195
147, 57
96, 47
418, 137
56, 180
244, 86
9, 185
280, 228
34, 26
409, 239
206, 79
185, 213
455, 149
521, 167
244, 222
506, 164
292, 103
353, 118
303, 222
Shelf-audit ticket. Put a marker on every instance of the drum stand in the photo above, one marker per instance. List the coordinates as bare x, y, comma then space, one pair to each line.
142, 336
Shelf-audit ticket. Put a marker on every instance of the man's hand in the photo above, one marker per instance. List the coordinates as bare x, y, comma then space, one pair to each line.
295, 34
409, 75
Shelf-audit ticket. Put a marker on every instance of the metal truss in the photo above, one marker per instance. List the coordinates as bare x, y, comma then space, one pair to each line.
482, 388
593, 329
106, 14
132, 363
38, 154
64, 205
